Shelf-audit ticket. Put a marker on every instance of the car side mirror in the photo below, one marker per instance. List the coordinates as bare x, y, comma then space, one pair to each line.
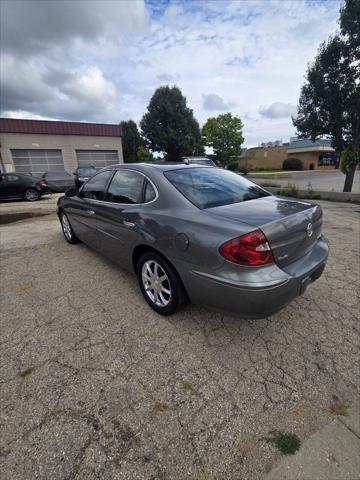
71, 192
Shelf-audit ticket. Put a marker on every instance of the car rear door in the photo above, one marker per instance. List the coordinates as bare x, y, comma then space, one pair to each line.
83, 209
118, 218
2, 187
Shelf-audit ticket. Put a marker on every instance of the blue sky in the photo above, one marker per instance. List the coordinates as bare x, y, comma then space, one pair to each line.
101, 61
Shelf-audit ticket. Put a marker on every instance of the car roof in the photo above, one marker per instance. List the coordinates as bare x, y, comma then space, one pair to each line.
162, 166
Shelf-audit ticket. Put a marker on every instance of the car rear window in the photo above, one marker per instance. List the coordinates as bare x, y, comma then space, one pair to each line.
86, 171
213, 187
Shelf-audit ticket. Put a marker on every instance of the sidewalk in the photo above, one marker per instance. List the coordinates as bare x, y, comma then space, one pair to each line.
333, 453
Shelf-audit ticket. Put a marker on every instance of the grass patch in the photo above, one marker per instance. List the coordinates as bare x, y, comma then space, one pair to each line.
287, 443
339, 408
188, 386
26, 372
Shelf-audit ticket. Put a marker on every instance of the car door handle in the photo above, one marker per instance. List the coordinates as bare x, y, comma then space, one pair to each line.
128, 224
90, 212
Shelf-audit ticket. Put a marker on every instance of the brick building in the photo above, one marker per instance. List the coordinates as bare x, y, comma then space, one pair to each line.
38, 146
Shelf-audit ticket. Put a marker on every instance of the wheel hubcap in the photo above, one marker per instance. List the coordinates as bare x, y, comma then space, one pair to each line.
31, 195
66, 227
156, 283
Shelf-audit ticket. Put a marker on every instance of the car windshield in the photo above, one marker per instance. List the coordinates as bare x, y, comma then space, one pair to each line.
213, 187
86, 172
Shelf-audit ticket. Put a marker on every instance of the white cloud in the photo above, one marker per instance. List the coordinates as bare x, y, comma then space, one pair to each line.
91, 86
214, 102
278, 110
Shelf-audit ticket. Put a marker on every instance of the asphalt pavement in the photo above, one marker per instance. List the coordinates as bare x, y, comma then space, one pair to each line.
96, 385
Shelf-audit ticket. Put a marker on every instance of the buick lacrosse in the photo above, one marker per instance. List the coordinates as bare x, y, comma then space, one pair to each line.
198, 233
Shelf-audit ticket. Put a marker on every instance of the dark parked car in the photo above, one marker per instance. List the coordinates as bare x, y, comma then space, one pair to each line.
15, 186
199, 233
58, 181
199, 161
83, 174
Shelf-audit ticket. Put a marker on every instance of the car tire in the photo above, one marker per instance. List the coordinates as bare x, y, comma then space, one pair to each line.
160, 284
31, 194
67, 230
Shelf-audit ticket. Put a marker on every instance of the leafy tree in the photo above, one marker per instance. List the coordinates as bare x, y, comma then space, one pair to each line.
131, 141
330, 99
169, 125
224, 135
144, 155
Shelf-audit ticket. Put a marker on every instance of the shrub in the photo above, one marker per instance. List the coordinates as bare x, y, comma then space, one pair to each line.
233, 166
245, 169
292, 164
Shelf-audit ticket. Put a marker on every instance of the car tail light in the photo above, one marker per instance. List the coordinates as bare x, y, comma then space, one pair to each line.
251, 250
43, 183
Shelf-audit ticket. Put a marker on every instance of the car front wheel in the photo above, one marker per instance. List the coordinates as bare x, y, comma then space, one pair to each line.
31, 194
160, 284
67, 229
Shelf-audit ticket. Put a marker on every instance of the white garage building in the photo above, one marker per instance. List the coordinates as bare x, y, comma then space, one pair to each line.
38, 146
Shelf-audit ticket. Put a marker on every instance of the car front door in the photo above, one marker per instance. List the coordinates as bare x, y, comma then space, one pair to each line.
118, 218
83, 209
15, 186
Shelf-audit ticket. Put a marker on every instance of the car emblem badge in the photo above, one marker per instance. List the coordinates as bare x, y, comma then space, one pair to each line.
309, 229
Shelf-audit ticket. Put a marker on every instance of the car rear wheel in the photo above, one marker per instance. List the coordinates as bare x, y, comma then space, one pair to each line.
67, 229
160, 284
31, 194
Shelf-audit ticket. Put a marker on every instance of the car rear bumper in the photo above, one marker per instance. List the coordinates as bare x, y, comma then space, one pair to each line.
259, 299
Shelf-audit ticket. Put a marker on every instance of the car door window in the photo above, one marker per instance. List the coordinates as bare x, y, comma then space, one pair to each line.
12, 178
126, 187
150, 192
94, 189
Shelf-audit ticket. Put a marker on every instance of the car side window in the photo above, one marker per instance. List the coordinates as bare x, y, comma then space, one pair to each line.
150, 193
2, 179
95, 187
125, 187
12, 178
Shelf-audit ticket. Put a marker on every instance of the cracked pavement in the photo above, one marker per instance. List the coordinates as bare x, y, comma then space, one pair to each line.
95, 385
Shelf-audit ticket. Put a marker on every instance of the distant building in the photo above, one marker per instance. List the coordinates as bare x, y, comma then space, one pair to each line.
271, 155
38, 146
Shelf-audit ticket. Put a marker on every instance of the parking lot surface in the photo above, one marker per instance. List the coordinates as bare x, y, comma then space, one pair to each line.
95, 385
322, 181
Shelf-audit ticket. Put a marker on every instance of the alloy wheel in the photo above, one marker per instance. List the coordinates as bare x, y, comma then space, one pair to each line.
31, 195
66, 227
156, 283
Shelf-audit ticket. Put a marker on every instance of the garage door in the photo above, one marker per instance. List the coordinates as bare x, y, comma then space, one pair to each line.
37, 162
97, 158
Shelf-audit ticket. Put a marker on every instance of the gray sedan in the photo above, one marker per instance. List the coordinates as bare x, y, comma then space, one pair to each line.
199, 233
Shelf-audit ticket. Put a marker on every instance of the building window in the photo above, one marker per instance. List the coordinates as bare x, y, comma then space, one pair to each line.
37, 162
97, 158
328, 160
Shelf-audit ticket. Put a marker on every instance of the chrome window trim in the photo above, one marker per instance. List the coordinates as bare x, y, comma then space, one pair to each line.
126, 204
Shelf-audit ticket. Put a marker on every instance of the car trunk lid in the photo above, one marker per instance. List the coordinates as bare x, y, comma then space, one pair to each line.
291, 227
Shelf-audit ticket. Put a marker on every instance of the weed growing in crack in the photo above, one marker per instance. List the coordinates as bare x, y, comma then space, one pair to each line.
339, 408
26, 372
287, 443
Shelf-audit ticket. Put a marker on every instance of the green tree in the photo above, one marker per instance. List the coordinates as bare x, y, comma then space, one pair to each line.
131, 141
144, 155
330, 99
224, 135
169, 125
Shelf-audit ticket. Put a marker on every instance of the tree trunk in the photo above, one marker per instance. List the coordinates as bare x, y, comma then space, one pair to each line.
349, 179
